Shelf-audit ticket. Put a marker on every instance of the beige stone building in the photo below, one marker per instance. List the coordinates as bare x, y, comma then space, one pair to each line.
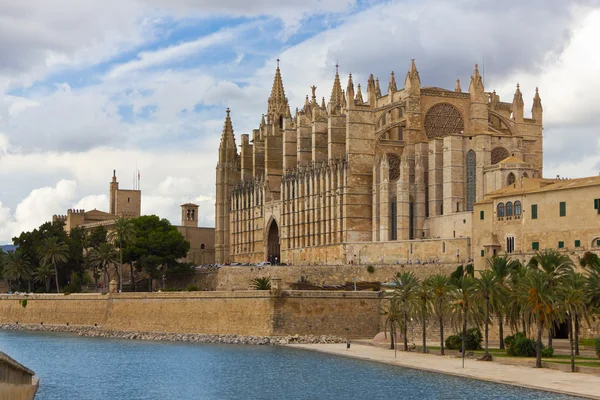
366, 179
127, 203
533, 214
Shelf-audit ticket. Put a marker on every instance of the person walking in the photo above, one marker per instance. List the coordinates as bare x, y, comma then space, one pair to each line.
347, 344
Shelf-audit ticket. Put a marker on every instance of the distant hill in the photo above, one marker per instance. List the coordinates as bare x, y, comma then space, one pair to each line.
8, 247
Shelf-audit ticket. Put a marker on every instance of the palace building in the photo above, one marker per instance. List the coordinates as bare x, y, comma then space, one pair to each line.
374, 178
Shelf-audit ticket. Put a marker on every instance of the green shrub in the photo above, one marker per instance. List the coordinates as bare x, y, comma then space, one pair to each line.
547, 352
74, 285
518, 345
40, 290
192, 288
473, 339
370, 269
262, 283
597, 346
23, 303
453, 342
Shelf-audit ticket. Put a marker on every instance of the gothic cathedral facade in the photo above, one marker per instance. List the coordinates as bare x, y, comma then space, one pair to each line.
380, 178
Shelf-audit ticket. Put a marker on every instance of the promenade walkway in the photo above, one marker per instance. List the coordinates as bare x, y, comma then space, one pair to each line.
575, 384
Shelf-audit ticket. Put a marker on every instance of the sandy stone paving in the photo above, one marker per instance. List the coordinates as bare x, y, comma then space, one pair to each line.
575, 384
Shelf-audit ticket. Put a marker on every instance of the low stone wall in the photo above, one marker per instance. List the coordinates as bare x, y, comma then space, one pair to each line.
255, 313
240, 277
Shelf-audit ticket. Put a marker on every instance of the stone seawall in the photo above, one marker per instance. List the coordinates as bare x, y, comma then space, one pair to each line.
251, 313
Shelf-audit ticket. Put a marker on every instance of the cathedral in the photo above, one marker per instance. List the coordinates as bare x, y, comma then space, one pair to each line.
373, 178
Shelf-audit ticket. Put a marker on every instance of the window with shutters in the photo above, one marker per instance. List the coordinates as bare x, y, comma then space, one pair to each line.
563, 208
534, 211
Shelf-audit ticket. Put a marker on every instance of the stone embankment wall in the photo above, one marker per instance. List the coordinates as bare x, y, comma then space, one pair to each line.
16, 381
241, 313
240, 277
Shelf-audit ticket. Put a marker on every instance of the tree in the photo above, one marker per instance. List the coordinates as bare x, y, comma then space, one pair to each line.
424, 296
486, 289
464, 309
573, 300
54, 252
122, 232
405, 294
17, 267
103, 257
393, 316
556, 266
538, 302
501, 267
157, 247
42, 274
440, 286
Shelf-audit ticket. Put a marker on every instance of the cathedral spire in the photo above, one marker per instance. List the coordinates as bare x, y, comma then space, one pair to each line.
227, 149
412, 82
518, 105
377, 88
537, 109
350, 91
476, 85
458, 88
392, 87
371, 91
323, 105
277, 103
336, 91
359, 98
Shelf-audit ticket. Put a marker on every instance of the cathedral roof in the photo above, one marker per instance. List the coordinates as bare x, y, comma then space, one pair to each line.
512, 160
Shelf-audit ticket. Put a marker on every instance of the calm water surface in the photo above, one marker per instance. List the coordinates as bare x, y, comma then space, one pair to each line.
71, 367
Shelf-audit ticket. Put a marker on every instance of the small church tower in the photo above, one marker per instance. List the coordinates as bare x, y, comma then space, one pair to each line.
189, 215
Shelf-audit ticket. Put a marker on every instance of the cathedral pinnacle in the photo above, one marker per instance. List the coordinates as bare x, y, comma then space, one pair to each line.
377, 88
518, 98
359, 98
458, 88
350, 90
277, 103
476, 81
392, 87
413, 75
323, 106
336, 98
537, 108
227, 137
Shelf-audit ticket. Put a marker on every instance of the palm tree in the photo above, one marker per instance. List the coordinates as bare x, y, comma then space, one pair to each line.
424, 297
501, 267
405, 294
514, 316
103, 257
573, 300
54, 252
556, 266
122, 232
538, 303
393, 315
486, 290
440, 286
464, 309
17, 267
262, 283
42, 275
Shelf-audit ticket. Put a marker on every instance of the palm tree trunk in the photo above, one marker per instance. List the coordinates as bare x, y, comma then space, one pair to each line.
405, 329
392, 344
501, 331
487, 323
29, 286
538, 346
570, 323
441, 335
524, 326
105, 288
577, 335
121, 265
131, 276
464, 332
424, 323
550, 334
56, 276
47, 284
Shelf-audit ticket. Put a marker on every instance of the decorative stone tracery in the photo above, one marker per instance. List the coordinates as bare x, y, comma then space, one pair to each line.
499, 154
443, 119
394, 163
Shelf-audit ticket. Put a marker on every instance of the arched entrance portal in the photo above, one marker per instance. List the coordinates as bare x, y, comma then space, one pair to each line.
273, 244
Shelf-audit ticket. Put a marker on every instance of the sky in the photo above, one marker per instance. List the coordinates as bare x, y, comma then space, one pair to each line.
88, 86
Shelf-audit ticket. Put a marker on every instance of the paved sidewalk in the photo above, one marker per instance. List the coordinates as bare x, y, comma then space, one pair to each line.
575, 384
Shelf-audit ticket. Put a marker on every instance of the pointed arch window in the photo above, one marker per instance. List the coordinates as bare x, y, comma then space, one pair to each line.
511, 178
500, 210
471, 179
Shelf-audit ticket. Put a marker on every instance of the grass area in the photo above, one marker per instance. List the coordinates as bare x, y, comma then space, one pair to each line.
587, 342
577, 363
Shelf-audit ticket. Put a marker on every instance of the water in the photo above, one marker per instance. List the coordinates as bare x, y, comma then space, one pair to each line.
71, 367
